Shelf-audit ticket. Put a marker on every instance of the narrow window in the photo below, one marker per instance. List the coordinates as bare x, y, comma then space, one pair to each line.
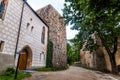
3, 5
1, 45
28, 24
40, 56
43, 35
32, 28
43, 55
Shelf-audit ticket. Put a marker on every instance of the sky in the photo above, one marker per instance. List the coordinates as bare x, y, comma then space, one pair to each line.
58, 5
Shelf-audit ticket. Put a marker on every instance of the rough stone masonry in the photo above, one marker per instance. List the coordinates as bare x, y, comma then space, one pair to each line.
57, 34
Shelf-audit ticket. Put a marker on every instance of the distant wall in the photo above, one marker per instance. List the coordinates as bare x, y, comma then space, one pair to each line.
6, 61
100, 59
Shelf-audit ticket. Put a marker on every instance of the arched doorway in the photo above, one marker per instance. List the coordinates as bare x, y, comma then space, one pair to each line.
25, 58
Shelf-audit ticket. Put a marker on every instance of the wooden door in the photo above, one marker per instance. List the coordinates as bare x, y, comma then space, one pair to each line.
23, 61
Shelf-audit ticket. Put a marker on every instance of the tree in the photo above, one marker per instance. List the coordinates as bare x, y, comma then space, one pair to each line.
99, 17
73, 50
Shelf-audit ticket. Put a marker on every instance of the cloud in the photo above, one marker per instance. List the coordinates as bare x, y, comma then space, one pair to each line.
70, 33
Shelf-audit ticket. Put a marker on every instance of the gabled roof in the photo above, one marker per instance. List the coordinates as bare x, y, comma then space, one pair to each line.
49, 14
35, 13
49, 6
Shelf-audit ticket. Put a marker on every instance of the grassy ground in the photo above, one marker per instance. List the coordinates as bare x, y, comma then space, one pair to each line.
49, 69
9, 75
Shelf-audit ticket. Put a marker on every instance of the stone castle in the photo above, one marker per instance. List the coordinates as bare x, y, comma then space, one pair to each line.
24, 35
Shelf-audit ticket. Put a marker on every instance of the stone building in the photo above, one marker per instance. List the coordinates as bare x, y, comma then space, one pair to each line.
32, 40
57, 34
98, 59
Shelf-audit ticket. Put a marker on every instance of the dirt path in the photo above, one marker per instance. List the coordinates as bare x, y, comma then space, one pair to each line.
73, 73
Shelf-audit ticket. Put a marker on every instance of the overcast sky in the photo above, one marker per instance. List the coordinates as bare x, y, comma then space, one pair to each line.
58, 5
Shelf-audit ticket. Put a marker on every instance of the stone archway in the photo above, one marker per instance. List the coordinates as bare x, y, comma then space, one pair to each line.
25, 59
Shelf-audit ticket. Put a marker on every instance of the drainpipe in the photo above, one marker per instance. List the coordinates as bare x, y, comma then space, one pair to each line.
20, 25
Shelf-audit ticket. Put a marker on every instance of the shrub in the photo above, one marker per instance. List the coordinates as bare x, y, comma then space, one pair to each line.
10, 73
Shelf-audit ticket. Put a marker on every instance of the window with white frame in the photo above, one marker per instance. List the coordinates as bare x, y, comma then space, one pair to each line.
42, 56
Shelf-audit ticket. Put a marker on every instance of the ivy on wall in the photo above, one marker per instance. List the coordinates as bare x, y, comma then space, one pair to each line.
49, 54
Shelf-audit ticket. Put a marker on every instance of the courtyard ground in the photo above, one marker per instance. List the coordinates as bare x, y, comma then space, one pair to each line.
73, 73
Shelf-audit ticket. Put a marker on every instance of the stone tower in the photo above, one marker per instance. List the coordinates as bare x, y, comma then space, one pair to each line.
57, 34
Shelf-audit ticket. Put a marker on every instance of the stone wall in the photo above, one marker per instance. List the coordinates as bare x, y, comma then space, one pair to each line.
100, 59
6, 61
57, 34
86, 57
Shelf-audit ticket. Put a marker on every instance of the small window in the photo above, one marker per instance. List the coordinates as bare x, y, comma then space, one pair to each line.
30, 19
28, 24
32, 28
44, 56
43, 35
40, 56
1, 45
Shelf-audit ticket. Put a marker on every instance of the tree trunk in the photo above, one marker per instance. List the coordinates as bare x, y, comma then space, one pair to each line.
111, 54
113, 59
113, 64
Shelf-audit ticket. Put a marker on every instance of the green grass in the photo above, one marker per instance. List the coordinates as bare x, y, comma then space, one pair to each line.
49, 69
44, 69
9, 75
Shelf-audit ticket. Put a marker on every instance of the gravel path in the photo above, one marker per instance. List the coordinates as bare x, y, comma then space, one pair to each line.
73, 73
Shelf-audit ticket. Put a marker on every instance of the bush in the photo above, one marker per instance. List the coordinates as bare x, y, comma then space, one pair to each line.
10, 73
73, 54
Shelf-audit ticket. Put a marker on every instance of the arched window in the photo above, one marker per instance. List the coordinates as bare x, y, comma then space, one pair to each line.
28, 24
3, 6
43, 35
